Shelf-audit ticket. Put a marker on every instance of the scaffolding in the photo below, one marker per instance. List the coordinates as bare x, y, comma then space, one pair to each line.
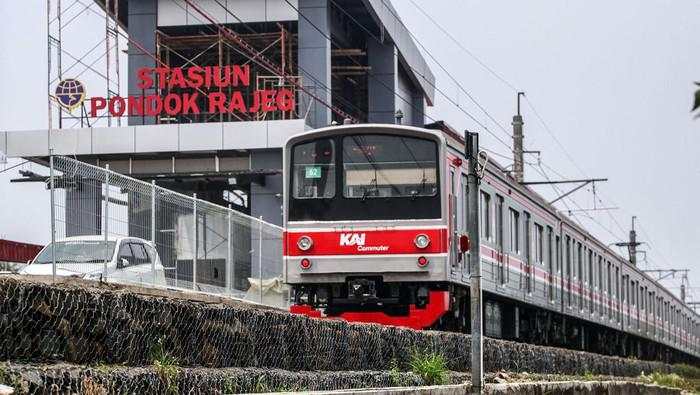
177, 48
81, 59
270, 48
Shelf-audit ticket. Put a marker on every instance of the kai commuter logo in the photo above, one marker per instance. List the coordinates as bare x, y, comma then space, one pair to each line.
358, 240
352, 239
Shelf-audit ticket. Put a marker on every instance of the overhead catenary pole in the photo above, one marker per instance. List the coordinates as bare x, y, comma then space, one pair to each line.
632, 244
477, 358
518, 161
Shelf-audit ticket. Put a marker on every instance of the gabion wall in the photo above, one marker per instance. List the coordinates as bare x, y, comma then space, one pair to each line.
74, 379
88, 323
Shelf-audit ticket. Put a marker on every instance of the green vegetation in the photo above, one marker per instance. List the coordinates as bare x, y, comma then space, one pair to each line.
262, 385
429, 366
666, 380
166, 366
395, 374
589, 376
14, 380
686, 371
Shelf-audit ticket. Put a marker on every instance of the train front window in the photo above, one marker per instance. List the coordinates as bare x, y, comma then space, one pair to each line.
314, 169
383, 166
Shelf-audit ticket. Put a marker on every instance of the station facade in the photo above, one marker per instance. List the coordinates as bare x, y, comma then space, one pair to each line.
215, 87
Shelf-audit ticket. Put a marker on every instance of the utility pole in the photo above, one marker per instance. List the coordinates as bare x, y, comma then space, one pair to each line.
518, 162
477, 363
632, 244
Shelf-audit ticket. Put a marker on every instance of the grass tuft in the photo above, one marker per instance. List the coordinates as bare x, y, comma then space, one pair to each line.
431, 367
667, 380
166, 366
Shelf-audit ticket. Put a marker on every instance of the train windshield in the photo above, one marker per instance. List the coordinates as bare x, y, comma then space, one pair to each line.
364, 177
314, 169
388, 166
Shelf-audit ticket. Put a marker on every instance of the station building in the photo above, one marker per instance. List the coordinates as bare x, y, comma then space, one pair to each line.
342, 59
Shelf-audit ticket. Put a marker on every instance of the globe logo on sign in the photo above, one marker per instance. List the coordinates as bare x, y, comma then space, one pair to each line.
70, 93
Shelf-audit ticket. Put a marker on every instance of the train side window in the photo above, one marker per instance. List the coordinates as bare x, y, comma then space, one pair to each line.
514, 231
485, 210
539, 244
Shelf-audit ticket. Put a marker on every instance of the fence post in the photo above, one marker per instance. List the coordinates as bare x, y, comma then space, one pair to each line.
194, 252
53, 216
106, 215
153, 227
229, 261
260, 270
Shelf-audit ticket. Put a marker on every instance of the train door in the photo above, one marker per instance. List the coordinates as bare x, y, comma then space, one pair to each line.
453, 223
527, 244
466, 270
502, 273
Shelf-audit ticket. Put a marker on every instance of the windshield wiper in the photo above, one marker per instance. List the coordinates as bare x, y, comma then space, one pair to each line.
365, 193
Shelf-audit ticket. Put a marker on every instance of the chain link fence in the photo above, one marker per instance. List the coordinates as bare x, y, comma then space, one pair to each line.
116, 228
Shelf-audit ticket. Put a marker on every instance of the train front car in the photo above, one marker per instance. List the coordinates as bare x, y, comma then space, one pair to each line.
366, 231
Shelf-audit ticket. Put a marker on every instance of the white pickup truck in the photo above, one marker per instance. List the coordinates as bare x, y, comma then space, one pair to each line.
119, 259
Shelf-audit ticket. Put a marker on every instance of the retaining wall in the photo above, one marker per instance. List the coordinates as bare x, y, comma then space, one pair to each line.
88, 323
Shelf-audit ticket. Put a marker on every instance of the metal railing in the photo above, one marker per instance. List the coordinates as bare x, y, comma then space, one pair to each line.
108, 226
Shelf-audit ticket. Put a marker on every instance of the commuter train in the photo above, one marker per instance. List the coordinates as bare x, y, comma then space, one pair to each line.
375, 219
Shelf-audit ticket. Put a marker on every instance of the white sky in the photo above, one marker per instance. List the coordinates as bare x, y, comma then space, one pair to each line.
612, 80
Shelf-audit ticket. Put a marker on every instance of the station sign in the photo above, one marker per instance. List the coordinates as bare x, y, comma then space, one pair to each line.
195, 90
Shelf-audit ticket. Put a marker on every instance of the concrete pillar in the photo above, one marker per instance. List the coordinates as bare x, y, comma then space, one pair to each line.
383, 59
418, 118
315, 61
142, 20
266, 200
84, 209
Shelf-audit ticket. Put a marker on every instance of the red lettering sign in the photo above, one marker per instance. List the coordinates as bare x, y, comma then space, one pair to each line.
193, 80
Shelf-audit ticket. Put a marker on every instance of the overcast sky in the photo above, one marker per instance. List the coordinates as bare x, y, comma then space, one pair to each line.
613, 81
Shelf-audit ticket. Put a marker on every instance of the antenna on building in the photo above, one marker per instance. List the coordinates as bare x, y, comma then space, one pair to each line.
518, 168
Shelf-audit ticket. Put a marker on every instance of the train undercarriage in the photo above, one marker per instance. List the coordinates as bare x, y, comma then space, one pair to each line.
442, 306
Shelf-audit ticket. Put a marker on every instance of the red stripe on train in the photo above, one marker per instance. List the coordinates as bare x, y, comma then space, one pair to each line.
366, 242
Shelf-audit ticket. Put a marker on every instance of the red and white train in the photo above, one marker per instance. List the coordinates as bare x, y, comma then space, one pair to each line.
374, 215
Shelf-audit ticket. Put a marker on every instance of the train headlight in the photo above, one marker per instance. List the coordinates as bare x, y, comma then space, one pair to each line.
422, 241
305, 243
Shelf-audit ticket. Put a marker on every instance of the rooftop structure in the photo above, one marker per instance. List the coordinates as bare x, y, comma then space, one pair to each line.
340, 59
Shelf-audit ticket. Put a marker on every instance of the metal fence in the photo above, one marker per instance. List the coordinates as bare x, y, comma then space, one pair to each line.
109, 226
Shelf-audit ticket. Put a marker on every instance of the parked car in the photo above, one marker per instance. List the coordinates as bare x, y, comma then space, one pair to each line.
128, 259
